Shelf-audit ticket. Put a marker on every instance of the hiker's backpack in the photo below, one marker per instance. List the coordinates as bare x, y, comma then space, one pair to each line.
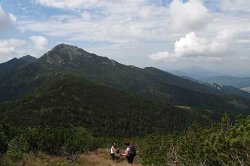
132, 151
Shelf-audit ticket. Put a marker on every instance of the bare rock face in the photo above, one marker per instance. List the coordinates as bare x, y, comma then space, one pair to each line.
74, 57
54, 59
64, 54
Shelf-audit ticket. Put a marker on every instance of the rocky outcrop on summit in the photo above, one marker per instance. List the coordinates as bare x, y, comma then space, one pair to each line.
72, 56
64, 54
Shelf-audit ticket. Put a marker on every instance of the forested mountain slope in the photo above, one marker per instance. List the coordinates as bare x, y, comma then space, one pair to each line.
151, 83
104, 111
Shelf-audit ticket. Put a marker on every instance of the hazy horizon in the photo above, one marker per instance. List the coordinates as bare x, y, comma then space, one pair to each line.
167, 34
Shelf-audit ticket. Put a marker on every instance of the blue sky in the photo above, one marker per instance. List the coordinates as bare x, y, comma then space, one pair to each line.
169, 34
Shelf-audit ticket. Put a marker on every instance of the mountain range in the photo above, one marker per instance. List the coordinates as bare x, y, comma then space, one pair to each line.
70, 86
239, 82
196, 72
207, 76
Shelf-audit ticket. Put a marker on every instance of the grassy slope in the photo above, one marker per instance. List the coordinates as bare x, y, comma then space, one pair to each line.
100, 157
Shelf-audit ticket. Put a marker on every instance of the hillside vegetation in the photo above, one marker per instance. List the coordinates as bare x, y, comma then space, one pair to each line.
103, 110
150, 82
69, 106
225, 143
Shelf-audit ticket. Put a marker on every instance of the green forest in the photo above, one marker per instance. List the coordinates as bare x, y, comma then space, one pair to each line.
224, 143
71, 103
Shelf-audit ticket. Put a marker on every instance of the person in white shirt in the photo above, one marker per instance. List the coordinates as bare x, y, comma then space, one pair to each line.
113, 152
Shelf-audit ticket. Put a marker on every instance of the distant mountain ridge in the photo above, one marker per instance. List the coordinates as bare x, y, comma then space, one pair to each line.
72, 57
15, 64
28, 59
69, 86
208, 76
149, 82
239, 82
196, 72
38, 83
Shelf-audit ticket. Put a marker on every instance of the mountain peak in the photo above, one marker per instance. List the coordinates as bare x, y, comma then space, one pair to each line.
74, 57
68, 49
64, 54
64, 46
12, 60
28, 58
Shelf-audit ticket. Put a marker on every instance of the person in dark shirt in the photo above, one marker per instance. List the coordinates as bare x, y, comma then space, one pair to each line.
129, 153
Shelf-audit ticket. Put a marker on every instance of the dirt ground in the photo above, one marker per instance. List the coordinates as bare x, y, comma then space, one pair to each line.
100, 157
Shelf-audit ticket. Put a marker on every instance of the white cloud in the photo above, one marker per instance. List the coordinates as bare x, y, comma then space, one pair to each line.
129, 20
161, 56
190, 45
62, 4
39, 42
11, 48
189, 16
194, 46
8, 48
6, 19
145, 13
235, 5
116, 21
146, 23
77, 4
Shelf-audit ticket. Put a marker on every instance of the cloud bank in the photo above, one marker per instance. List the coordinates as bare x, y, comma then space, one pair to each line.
235, 5
70, 4
184, 32
192, 45
39, 42
6, 19
9, 48
189, 16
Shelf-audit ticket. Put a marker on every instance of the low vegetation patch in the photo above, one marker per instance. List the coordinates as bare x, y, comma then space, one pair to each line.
225, 143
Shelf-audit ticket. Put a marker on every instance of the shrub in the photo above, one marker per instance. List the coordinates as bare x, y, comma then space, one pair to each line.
17, 147
226, 143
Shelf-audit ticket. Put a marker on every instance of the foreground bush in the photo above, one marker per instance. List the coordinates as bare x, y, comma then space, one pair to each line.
227, 143
52, 141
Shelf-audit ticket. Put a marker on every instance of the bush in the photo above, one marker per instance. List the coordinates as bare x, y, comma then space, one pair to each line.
17, 147
80, 141
6, 161
6, 134
227, 143
153, 149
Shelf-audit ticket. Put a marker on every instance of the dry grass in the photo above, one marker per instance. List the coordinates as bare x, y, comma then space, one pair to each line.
183, 107
100, 157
